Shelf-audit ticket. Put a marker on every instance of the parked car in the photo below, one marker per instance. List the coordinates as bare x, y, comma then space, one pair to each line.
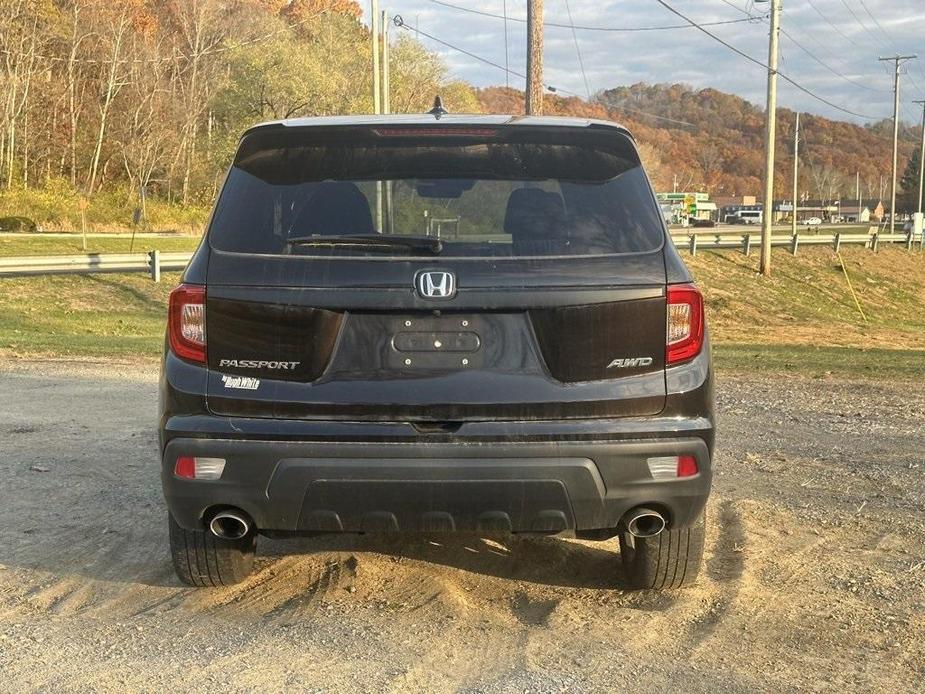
330, 367
703, 223
812, 222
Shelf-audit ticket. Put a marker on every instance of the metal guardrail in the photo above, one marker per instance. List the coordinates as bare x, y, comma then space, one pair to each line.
745, 241
154, 262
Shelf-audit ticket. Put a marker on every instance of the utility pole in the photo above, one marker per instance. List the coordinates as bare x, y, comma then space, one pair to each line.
377, 96
922, 158
534, 96
796, 173
898, 61
857, 189
386, 108
386, 101
374, 21
770, 141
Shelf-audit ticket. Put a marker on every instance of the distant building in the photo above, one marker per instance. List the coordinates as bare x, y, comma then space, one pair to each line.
855, 214
736, 201
683, 208
826, 211
878, 213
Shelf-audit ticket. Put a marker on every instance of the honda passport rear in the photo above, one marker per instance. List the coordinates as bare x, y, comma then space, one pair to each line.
434, 324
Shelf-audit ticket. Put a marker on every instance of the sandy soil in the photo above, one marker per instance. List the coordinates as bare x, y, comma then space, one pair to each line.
814, 577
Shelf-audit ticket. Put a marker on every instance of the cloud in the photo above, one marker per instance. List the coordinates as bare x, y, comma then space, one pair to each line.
847, 44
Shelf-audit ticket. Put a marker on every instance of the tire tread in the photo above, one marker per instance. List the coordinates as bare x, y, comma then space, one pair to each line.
669, 560
204, 561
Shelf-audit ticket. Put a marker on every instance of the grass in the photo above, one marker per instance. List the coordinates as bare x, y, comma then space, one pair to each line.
807, 300
56, 207
94, 315
34, 244
801, 320
820, 361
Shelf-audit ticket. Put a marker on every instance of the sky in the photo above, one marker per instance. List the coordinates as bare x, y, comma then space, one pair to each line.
845, 38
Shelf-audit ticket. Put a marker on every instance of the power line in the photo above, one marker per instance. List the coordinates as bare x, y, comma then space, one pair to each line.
807, 51
581, 63
745, 55
581, 27
877, 24
829, 67
399, 22
831, 23
889, 40
851, 12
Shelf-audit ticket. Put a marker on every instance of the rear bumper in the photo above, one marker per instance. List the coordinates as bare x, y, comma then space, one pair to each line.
480, 486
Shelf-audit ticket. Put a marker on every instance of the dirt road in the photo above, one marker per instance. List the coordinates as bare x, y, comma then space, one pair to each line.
815, 573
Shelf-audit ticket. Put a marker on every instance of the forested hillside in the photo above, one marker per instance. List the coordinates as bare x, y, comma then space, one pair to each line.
103, 99
714, 142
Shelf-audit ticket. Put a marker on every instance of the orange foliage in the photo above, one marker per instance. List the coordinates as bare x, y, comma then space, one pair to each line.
721, 151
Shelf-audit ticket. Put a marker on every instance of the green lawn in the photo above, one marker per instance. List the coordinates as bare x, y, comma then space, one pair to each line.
803, 320
72, 245
821, 361
124, 315
94, 315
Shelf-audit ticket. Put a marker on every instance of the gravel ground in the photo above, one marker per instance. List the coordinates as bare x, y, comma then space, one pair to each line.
814, 576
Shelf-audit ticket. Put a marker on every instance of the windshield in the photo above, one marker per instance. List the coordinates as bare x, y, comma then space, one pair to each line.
482, 196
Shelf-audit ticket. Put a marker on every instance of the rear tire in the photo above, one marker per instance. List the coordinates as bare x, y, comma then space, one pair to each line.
670, 559
203, 560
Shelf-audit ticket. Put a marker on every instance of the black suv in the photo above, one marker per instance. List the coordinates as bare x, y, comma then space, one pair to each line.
435, 324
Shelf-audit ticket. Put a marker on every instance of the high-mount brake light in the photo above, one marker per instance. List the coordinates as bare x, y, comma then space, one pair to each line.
435, 132
684, 335
186, 322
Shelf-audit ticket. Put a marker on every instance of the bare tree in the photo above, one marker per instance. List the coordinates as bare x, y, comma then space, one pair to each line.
117, 23
201, 27
144, 130
75, 86
711, 163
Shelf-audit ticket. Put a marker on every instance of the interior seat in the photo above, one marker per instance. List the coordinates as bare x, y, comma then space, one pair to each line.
535, 220
334, 209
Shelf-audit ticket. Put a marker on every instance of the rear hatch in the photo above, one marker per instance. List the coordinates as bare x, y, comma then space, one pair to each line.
436, 274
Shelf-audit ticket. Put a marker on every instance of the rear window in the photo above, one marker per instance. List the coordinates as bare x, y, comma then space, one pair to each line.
500, 192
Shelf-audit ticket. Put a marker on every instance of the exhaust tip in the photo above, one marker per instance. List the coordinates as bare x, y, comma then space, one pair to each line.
230, 525
644, 522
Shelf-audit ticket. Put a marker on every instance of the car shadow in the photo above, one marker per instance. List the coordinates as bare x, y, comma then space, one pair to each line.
549, 561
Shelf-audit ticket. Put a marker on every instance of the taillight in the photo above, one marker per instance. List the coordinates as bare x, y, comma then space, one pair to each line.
186, 322
684, 338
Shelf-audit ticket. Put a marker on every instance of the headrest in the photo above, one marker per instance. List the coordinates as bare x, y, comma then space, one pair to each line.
335, 208
533, 214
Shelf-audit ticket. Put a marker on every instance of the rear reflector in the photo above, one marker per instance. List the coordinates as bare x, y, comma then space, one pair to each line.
186, 322
185, 467
671, 467
687, 466
195, 468
684, 338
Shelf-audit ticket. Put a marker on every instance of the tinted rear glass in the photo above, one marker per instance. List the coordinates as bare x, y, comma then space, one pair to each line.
496, 192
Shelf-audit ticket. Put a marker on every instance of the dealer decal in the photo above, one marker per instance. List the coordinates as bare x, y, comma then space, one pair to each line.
241, 382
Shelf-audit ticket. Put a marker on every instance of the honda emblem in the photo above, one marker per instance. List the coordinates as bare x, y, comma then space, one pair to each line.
436, 284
